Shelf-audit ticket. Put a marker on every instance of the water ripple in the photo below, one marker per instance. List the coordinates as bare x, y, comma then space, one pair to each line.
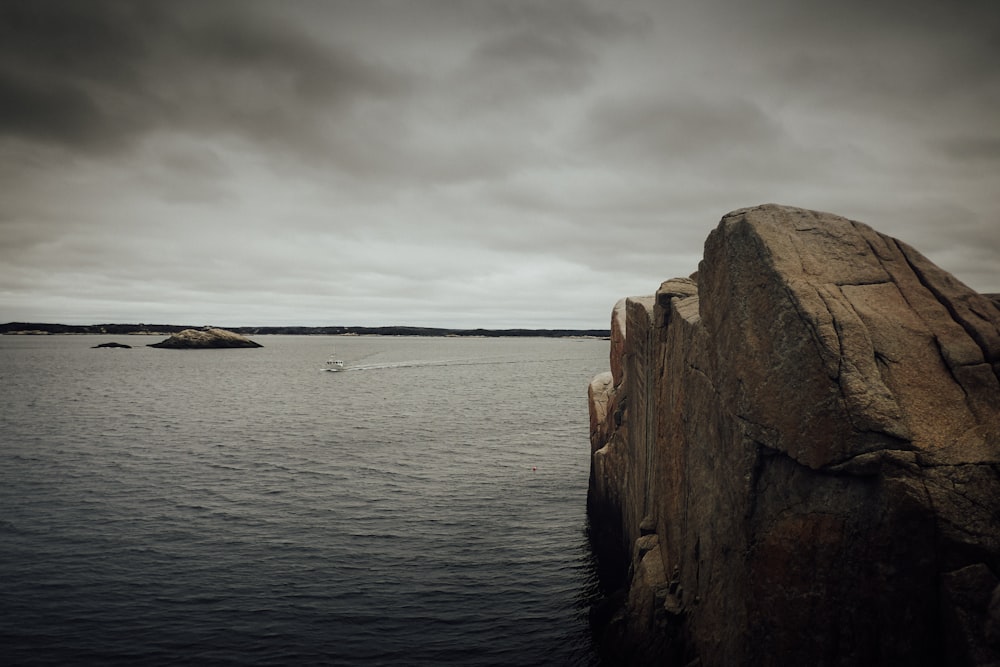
226, 507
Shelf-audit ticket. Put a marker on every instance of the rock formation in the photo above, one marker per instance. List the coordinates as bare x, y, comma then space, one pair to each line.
122, 346
205, 338
796, 456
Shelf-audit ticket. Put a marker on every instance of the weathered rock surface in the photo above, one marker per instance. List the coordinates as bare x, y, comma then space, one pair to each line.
796, 455
190, 339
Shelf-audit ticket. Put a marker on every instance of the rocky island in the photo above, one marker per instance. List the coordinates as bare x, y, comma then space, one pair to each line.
199, 339
796, 456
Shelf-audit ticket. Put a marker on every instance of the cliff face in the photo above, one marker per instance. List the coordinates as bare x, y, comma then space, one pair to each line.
796, 455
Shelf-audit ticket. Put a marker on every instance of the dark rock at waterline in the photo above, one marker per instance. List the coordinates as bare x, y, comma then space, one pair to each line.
198, 339
796, 455
113, 345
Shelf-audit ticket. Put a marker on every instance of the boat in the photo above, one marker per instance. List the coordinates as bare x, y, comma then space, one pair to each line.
333, 364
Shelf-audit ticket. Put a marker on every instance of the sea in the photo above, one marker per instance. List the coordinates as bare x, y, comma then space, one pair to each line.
425, 506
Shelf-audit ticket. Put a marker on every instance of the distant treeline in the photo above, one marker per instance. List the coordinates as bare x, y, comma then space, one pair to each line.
154, 329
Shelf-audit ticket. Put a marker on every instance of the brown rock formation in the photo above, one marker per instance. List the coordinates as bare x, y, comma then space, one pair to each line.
197, 339
799, 460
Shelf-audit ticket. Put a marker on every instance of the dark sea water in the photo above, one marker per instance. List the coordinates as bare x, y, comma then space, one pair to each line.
425, 507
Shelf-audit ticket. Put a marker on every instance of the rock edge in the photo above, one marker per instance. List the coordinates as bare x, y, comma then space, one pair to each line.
796, 456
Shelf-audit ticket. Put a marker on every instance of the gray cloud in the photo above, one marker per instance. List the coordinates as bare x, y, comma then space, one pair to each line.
679, 128
460, 163
102, 75
977, 150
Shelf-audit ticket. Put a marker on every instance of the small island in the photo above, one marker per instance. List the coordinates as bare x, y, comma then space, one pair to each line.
202, 339
113, 345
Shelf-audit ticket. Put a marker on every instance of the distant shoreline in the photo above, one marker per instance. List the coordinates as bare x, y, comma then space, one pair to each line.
41, 329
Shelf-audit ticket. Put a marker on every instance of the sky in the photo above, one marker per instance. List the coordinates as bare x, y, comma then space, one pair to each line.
468, 163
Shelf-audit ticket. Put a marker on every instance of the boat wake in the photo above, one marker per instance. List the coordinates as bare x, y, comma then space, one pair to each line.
426, 364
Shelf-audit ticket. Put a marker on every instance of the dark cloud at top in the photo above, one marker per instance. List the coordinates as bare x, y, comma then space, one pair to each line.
97, 76
53, 57
390, 161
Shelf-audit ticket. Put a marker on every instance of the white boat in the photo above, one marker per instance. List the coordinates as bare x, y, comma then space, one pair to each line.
333, 364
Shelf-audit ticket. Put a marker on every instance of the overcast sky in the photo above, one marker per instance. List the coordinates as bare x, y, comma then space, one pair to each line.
468, 163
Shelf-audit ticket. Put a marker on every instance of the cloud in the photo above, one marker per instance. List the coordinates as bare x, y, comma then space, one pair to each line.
446, 162
98, 77
975, 149
659, 131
